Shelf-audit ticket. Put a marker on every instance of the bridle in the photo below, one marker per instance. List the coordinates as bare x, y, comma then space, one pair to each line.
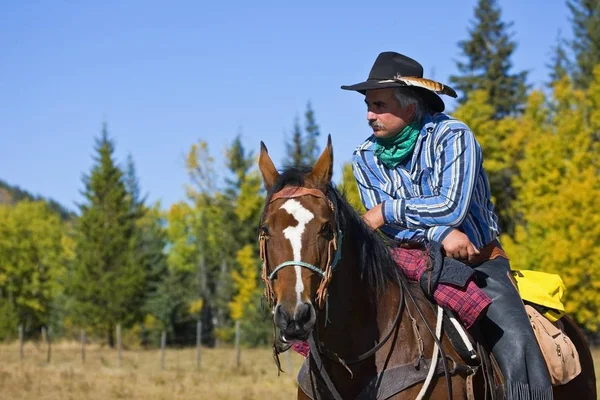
290, 192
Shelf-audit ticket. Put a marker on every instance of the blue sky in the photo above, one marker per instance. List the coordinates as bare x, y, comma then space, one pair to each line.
164, 75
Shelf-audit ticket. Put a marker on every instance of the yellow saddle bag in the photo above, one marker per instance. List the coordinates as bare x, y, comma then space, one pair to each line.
543, 289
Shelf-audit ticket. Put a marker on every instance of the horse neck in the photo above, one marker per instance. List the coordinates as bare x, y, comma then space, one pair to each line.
356, 319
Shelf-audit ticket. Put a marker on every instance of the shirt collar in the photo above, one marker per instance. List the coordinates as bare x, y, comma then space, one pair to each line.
428, 125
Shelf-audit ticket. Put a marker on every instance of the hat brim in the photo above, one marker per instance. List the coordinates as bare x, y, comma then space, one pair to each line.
432, 99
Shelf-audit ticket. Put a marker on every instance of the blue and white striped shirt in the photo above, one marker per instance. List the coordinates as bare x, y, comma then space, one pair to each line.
442, 187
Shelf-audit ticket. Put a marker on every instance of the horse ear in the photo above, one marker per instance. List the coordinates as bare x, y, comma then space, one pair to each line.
267, 168
323, 169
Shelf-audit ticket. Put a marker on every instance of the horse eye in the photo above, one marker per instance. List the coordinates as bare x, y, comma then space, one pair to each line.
327, 231
263, 230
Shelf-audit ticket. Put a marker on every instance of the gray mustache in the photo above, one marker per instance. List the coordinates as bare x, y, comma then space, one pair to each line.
376, 125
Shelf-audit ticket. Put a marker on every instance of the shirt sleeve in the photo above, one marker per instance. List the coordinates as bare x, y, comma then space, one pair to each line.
457, 159
371, 194
369, 185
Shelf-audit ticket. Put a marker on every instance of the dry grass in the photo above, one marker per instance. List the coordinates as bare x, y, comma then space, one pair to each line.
140, 376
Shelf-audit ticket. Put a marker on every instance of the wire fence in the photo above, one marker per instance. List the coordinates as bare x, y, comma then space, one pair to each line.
42, 349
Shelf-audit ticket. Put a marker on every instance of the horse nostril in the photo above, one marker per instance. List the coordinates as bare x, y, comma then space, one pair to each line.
303, 314
282, 318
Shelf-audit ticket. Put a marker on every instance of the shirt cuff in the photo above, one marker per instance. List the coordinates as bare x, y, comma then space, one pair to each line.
394, 211
438, 233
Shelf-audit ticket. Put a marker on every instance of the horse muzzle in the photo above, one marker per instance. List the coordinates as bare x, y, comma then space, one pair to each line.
297, 326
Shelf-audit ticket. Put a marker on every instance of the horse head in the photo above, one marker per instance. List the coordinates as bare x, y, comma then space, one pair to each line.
299, 240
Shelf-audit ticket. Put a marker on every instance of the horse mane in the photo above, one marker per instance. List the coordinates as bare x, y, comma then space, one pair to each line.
377, 268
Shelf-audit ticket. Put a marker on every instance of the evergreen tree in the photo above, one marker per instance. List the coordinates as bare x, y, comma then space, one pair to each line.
303, 149
488, 66
149, 241
311, 130
559, 62
106, 281
238, 162
296, 154
132, 185
586, 42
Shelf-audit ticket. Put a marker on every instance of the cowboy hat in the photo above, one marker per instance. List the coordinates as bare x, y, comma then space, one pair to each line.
392, 70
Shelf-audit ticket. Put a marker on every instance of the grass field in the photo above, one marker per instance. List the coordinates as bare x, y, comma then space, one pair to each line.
140, 376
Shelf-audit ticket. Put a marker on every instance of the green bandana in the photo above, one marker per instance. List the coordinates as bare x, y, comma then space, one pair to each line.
391, 151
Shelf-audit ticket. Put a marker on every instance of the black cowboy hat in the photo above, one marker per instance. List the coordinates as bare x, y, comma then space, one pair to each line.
392, 70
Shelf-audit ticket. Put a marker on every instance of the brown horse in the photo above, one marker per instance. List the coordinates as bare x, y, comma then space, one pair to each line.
332, 281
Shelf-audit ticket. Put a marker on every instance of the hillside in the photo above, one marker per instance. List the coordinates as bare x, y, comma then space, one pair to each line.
10, 194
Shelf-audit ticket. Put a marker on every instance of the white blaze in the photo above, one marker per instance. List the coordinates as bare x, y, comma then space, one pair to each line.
294, 235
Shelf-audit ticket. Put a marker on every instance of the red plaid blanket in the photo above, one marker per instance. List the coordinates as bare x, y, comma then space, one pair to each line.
468, 302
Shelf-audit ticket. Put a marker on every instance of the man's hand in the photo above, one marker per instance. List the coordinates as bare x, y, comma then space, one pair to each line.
457, 245
374, 217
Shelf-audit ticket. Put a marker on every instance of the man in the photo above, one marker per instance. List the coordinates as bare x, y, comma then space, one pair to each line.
421, 178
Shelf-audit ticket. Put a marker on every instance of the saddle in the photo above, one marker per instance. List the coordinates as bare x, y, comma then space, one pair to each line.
541, 293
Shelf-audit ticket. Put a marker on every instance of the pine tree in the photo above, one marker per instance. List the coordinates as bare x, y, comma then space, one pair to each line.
151, 243
106, 280
302, 149
488, 66
312, 133
238, 161
296, 154
559, 62
586, 42
132, 185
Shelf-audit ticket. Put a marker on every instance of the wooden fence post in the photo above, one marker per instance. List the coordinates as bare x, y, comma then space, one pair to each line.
83, 346
44, 339
119, 344
198, 344
237, 343
21, 342
49, 341
163, 344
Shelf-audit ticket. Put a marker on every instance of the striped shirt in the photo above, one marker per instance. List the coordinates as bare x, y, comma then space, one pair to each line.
443, 186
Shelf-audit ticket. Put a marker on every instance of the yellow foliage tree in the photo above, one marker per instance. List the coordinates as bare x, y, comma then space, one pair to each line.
34, 250
245, 283
349, 187
559, 196
501, 144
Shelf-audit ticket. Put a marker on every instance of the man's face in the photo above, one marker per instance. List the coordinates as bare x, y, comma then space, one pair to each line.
385, 116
